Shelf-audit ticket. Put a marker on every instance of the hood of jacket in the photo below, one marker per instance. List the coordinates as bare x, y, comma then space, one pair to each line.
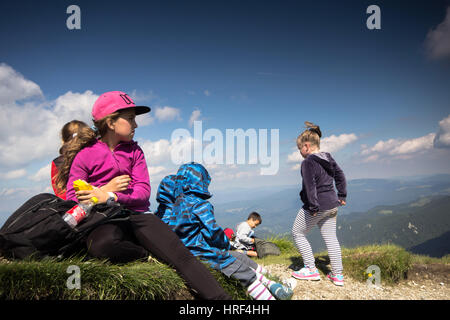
166, 190
192, 178
325, 160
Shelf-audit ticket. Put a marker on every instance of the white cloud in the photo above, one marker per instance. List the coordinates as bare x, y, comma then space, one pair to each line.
207, 93
335, 143
145, 119
167, 113
42, 174
14, 174
398, 148
73, 105
437, 41
295, 156
195, 116
153, 171
30, 131
14, 87
156, 152
22, 194
442, 138
139, 97
328, 144
160, 152
231, 172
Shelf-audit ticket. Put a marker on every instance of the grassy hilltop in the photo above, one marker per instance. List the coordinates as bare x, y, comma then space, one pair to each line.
100, 280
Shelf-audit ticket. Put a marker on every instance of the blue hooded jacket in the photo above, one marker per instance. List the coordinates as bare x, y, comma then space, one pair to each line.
192, 217
165, 197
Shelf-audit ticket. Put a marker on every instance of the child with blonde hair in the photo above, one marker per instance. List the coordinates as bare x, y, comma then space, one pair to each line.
319, 170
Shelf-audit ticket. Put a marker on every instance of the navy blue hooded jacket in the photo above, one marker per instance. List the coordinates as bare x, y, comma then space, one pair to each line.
165, 197
319, 171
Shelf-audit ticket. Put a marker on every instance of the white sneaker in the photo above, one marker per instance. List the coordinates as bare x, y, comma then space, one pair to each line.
306, 274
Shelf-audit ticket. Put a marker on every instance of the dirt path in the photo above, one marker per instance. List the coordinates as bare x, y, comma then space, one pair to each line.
421, 285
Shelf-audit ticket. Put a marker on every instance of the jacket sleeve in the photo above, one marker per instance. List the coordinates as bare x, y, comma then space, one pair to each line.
53, 173
78, 170
341, 183
138, 191
243, 231
211, 231
309, 182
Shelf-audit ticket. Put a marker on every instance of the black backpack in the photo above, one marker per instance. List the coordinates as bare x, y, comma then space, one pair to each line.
37, 229
265, 248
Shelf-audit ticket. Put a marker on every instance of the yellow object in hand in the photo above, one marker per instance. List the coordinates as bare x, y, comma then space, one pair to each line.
83, 185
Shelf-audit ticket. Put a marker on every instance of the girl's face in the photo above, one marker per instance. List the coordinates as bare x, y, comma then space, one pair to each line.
125, 125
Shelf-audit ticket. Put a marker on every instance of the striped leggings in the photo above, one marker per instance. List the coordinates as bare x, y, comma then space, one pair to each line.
326, 220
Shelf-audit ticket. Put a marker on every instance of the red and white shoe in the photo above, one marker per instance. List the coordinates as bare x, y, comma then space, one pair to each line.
337, 279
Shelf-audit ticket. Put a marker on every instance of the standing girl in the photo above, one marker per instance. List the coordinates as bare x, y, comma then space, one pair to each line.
320, 205
116, 154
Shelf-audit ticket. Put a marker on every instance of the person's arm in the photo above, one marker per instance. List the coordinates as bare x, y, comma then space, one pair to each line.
53, 173
211, 231
138, 191
309, 181
119, 183
78, 170
341, 183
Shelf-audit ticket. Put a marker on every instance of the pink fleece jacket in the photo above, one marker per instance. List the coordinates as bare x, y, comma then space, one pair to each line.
97, 165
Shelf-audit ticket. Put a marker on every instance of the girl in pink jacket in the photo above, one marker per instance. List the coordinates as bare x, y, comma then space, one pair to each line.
113, 154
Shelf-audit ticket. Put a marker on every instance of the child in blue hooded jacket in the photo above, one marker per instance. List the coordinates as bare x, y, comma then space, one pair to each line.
184, 206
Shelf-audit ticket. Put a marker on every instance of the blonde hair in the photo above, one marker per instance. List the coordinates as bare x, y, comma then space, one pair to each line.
312, 134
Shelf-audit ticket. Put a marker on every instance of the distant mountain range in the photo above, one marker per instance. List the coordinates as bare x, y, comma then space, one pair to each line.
413, 213
420, 226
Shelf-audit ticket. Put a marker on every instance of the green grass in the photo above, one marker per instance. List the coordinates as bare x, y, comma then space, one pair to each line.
393, 261
100, 280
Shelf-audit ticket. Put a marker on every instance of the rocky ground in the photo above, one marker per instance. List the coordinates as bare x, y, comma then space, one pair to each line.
425, 282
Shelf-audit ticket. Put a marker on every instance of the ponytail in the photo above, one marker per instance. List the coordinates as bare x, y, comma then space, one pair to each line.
312, 134
314, 128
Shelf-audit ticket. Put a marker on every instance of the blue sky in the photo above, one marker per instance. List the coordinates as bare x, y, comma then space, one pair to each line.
381, 97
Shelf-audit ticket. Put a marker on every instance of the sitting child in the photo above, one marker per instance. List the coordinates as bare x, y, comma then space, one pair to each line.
245, 236
236, 245
191, 217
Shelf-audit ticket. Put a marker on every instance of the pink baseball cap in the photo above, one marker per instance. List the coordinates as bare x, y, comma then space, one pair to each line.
112, 101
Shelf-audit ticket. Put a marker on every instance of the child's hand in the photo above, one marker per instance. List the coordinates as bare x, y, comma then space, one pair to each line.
119, 183
343, 203
84, 196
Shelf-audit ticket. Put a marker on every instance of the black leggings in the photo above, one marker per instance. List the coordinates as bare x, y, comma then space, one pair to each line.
131, 240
